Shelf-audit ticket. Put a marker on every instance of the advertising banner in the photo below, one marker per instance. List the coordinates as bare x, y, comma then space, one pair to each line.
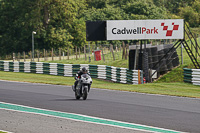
145, 29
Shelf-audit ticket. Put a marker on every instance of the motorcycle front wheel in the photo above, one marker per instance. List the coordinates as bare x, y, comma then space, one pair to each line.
77, 96
85, 93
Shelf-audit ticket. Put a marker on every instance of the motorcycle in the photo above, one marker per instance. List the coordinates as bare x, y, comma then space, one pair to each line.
83, 86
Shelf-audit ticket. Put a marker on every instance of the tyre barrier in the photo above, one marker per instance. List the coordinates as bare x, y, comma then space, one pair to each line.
155, 53
115, 74
192, 76
150, 60
163, 67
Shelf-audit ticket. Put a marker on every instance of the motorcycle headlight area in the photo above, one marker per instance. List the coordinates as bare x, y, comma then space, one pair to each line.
84, 80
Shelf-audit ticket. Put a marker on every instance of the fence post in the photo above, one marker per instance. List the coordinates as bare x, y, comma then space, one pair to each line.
112, 52
30, 55
18, 56
196, 38
68, 52
52, 54
59, 53
118, 53
126, 53
85, 53
103, 54
38, 54
44, 54
76, 53
24, 56
123, 52
79, 52
13, 57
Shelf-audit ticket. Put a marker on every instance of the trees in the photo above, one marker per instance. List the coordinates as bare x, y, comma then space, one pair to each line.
189, 14
61, 23
144, 10
52, 19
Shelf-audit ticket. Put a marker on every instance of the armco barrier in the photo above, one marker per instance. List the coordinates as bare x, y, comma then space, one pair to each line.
192, 76
115, 74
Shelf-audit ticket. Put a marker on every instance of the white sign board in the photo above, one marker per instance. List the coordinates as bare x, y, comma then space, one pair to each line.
145, 29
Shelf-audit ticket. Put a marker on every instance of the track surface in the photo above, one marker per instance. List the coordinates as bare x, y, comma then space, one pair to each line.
17, 122
182, 114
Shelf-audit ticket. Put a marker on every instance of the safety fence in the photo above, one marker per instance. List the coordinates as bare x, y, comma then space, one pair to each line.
192, 76
115, 74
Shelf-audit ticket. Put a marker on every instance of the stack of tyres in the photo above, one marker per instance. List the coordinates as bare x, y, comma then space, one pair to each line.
46, 69
149, 58
33, 67
118, 75
1, 65
175, 61
61, 69
75, 69
21, 66
162, 63
93, 71
169, 60
108, 72
154, 53
131, 59
11, 66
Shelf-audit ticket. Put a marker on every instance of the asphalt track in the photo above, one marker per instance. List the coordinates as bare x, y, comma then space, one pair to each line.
176, 113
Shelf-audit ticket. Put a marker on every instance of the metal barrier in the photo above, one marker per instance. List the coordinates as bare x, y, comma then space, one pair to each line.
192, 76
115, 74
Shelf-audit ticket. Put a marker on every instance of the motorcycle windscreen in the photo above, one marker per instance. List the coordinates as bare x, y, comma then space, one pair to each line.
85, 76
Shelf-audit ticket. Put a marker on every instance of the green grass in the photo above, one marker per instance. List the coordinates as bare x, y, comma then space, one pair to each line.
2, 132
174, 89
168, 84
176, 75
118, 61
196, 30
108, 60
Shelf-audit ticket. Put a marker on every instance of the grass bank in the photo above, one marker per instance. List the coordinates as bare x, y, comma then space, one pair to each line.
118, 62
2, 132
173, 89
176, 75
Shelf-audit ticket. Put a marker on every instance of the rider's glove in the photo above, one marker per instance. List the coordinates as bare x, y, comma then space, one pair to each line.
76, 77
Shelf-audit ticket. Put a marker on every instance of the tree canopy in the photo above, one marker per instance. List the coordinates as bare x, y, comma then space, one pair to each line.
61, 23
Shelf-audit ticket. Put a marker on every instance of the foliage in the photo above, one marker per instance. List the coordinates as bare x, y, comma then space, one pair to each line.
61, 23
190, 16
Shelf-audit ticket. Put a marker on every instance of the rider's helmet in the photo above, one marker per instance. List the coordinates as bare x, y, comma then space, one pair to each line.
84, 70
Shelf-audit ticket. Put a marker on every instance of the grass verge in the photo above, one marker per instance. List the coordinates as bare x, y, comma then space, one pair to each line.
176, 75
108, 60
173, 89
2, 132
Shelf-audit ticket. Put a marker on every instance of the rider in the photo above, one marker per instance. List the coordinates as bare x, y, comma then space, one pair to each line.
78, 75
